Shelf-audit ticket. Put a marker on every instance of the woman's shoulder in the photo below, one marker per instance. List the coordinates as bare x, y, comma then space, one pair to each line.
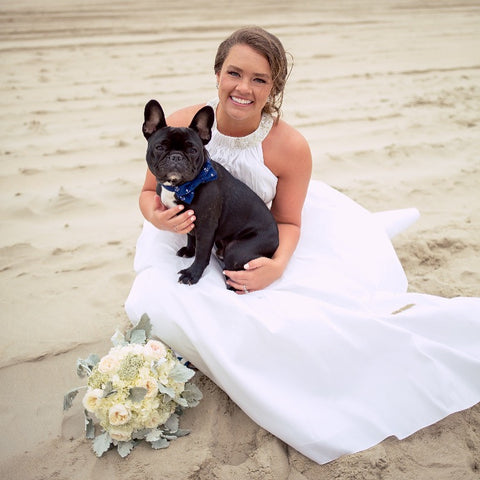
285, 137
284, 143
183, 117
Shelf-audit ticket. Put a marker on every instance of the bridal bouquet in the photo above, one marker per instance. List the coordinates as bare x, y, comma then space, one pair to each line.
137, 391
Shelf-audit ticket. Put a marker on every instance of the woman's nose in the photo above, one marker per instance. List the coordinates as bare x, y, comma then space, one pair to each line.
243, 85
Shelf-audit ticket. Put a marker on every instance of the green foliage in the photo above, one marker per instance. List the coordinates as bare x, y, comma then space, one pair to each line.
86, 365
101, 443
124, 448
137, 394
181, 373
68, 398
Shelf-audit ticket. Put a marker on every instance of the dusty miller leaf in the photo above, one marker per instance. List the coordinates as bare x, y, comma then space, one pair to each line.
154, 436
108, 390
180, 373
93, 359
145, 325
84, 369
68, 398
162, 443
192, 395
118, 338
166, 390
124, 448
172, 423
101, 444
137, 394
85, 365
138, 336
89, 427
141, 434
182, 402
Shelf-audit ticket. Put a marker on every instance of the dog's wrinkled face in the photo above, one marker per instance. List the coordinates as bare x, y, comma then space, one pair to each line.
175, 155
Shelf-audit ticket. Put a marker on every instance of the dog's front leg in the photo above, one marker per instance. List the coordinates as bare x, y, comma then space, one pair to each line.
189, 250
204, 243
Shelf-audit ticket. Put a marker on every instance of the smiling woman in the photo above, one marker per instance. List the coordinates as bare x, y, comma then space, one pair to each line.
322, 345
270, 49
251, 71
244, 87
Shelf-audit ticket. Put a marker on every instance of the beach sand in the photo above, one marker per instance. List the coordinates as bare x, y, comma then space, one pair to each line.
388, 95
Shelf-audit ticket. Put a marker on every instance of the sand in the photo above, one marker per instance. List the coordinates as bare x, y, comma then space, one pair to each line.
388, 95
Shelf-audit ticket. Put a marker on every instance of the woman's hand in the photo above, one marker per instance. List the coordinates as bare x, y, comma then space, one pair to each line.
258, 274
170, 218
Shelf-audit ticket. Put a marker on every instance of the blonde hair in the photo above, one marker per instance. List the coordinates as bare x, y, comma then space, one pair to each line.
272, 49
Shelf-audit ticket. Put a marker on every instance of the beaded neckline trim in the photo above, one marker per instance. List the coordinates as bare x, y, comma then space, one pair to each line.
250, 140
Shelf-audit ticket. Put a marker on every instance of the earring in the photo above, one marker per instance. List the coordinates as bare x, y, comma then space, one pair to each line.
217, 85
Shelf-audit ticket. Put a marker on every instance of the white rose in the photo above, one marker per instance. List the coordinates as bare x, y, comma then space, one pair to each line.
90, 399
146, 380
155, 349
152, 387
119, 415
108, 363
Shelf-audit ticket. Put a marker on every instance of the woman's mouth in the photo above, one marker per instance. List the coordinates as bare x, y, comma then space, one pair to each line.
241, 101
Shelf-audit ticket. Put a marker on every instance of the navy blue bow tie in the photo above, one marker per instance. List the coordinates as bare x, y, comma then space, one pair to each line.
186, 191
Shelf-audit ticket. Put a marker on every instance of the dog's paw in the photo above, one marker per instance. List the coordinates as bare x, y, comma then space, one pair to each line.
186, 252
189, 276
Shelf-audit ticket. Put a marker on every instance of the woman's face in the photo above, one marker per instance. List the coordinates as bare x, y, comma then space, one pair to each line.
244, 84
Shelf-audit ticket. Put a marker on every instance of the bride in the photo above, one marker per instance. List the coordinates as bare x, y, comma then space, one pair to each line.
320, 344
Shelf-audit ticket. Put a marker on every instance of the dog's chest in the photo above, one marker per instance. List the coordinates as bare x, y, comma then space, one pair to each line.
168, 198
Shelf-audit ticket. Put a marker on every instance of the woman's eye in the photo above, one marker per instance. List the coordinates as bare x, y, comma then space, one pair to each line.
259, 80
234, 74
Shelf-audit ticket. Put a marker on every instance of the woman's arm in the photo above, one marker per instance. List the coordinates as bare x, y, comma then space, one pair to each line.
287, 154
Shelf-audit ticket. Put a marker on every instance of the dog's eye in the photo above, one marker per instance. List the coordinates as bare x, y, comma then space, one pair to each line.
192, 150
159, 147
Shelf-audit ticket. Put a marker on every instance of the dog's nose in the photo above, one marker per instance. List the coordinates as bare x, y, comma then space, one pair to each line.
175, 157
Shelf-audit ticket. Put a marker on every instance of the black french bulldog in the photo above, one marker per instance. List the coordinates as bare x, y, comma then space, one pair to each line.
228, 213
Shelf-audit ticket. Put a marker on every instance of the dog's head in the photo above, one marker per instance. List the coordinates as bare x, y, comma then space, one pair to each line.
175, 155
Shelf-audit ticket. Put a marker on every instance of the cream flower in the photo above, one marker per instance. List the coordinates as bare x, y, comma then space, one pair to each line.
118, 415
151, 385
90, 400
154, 419
155, 349
108, 363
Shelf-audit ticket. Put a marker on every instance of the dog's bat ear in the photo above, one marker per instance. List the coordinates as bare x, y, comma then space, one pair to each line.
202, 123
154, 118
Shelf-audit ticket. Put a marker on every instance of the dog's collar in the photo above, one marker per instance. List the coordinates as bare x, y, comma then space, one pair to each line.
186, 191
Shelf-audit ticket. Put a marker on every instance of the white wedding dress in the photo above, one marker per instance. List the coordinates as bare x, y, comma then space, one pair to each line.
333, 357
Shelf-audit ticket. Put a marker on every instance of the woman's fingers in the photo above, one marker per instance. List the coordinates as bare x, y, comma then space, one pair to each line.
183, 223
239, 281
172, 219
257, 275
